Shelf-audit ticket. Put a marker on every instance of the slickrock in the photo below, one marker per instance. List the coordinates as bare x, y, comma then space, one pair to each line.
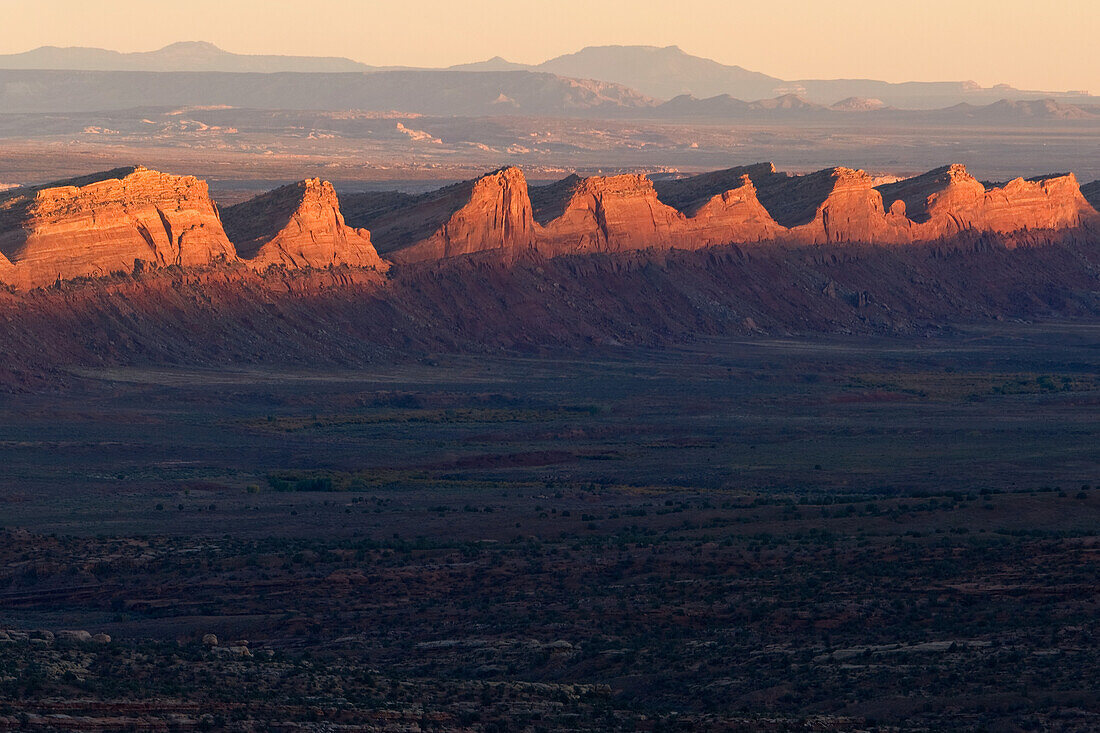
492, 212
107, 223
295, 226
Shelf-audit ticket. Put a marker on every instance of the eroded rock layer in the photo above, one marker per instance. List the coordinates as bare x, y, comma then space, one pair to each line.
107, 223
948, 200
605, 214
298, 226
492, 212
116, 220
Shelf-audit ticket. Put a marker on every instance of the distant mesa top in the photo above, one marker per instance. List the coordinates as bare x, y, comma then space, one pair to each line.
132, 219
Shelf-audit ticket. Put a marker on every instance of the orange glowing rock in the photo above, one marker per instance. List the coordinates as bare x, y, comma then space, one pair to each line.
109, 222
298, 226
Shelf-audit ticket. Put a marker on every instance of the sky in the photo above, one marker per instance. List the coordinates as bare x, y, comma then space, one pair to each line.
1030, 44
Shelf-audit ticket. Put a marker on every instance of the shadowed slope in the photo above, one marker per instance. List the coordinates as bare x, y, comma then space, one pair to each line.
689, 194
343, 316
1091, 192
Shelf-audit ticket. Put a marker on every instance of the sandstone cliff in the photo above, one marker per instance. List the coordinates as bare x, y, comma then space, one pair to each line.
492, 212
298, 226
723, 207
604, 214
830, 206
113, 221
948, 200
630, 212
108, 222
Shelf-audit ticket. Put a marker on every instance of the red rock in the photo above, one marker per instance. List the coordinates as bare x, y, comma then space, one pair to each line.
948, 200
829, 206
106, 223
1053, 202
604, 214
630, 212
298, 226
723, 207
492, 212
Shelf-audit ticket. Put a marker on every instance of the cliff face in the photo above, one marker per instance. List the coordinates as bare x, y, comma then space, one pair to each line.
105, 223
605, 214
630, 212
111, 221
830, 206
492, 212
1053, 202
298, 226
948, 200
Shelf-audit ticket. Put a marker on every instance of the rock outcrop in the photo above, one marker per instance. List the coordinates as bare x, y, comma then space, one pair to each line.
948, 200
604, 214
830, 206
123, 219
630, 212
296, 226
107, 223
492, 212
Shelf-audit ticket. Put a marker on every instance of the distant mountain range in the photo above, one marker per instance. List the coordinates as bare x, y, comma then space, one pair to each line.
184, 56
440, 92
660, 73
669, 72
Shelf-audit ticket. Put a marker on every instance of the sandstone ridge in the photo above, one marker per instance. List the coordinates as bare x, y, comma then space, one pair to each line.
118, 220
109, 222
134, 218
492, 212
296, 226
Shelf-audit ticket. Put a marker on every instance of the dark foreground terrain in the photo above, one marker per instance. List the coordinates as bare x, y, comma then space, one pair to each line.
758, 533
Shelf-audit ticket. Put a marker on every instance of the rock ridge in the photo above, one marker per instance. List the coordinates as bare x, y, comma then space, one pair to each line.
297, 226
109, 222
122, 220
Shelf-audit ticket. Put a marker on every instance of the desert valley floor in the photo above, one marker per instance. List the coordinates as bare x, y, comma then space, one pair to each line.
742, 533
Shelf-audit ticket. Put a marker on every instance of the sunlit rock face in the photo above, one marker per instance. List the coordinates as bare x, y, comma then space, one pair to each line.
131, 218
948, 200
722, 207
492, 212
298, 226
108, 222
630, 212
605, 214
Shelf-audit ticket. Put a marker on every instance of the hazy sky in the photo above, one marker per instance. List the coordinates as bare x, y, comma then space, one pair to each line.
1027, 43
